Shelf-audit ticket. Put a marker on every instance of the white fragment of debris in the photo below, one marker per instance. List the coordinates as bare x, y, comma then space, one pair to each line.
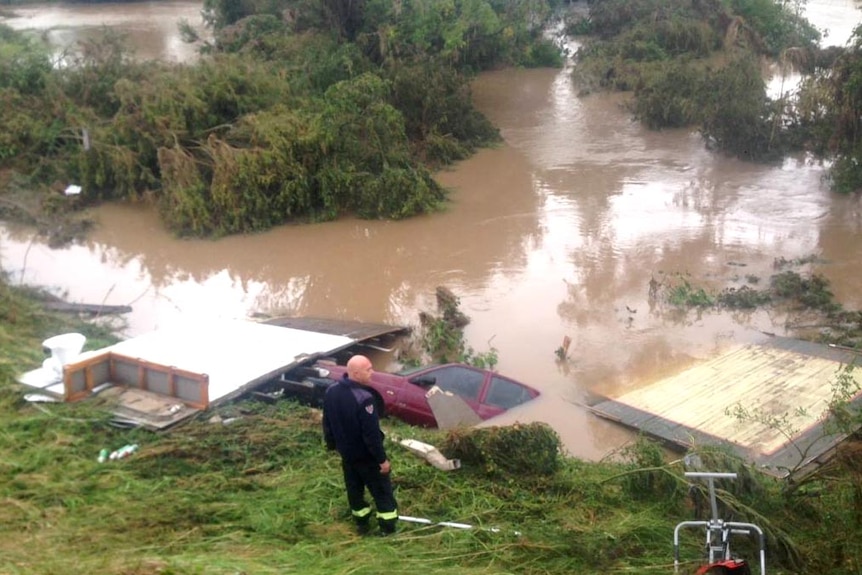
424, 521
431, 454
450, 410
38, 398
218, 419
72, 190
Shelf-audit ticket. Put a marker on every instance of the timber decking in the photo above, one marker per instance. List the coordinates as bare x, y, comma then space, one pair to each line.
783, 379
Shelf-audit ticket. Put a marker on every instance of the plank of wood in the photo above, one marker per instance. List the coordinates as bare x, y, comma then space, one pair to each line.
89, 308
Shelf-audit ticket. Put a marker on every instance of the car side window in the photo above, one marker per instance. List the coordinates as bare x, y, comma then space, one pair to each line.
506, 394
461, 381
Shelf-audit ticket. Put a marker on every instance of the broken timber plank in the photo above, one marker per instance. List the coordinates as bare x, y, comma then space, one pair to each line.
94, 309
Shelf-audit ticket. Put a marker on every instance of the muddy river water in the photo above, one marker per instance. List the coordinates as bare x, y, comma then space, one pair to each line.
557, 232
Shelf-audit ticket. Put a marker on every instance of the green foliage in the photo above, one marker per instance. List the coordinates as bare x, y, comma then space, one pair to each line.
397, 193
845, 173
443, 341
221, 13
775, 25
812, 292
466, 34
24, 63
90, 72
743, 298
518, 451
682, 293
841, 417
635, 41
252, 34
809, 292
663, 50
828, 114
780, 24
24, 324
438, 111
737, 115
673, 97
844, 415
358, 138
610, 17
648, 478
280, 165
108, 172
184, 204
440, 339
22, 126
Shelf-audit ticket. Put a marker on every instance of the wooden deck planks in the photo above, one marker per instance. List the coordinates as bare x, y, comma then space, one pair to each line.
782, 379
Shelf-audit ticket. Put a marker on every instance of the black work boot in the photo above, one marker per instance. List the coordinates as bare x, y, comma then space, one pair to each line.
363, 526
387, 527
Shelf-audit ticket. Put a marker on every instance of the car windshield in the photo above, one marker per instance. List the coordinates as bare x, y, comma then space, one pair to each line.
506, 394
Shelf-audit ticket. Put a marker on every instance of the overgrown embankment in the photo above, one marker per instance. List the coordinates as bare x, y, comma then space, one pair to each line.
261, 495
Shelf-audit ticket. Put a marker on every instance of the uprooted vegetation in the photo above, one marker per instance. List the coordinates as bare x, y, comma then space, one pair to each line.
440, 338
814, 313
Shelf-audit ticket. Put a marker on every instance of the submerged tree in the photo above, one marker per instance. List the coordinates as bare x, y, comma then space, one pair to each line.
301, 110
699, 64
830, 113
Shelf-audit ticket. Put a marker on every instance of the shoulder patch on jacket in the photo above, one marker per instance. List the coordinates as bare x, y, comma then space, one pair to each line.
361, 395
370, 408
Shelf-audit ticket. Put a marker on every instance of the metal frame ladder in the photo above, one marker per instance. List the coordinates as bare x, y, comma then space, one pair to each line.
718, 531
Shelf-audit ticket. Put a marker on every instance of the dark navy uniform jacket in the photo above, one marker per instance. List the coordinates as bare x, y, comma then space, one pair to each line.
351, 424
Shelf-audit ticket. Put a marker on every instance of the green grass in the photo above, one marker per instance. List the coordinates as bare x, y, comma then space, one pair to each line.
261, 495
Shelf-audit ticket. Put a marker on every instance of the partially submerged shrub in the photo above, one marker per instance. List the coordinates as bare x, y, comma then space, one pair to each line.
520, 450
737, 114
811, 292
683, 294
743, 298
672, 97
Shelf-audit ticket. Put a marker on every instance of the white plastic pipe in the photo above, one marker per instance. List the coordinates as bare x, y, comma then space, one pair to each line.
424, 521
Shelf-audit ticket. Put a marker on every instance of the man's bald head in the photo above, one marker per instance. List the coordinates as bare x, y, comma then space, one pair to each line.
359, 369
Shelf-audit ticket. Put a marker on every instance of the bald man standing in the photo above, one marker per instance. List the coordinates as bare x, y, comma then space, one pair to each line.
351, 425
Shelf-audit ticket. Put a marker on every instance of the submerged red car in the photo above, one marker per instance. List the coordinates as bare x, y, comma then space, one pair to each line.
403, 394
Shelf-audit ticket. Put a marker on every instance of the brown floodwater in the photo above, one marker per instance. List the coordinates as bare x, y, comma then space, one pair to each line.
556, 232
150, 28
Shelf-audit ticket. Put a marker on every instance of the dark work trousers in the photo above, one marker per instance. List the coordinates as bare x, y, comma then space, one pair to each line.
358, 476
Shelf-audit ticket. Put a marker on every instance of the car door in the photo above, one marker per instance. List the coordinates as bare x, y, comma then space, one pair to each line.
403, 399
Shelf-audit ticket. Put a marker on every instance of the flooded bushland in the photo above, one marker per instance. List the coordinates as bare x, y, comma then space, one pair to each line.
308, 112
701, 65
286, 120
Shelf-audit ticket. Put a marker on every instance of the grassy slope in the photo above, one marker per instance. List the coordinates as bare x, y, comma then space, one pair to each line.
260, 495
